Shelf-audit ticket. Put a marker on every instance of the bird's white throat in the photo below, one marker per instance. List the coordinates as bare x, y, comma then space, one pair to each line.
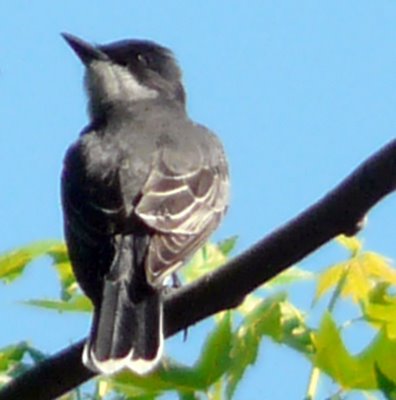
109, 83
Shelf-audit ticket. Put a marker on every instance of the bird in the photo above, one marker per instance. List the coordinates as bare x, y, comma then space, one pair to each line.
142, 188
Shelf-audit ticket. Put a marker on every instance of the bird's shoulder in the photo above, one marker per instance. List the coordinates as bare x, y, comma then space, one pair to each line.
184, 145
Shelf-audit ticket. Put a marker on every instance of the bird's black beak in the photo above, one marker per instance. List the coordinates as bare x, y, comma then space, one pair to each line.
85, 51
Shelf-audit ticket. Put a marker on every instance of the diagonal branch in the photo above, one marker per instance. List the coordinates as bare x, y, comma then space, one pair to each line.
340, 211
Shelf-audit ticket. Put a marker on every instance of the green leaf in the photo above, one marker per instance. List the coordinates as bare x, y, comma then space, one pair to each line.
382, 316
132, 386
333, 358
380, 309
291, 275
61, 262
58, 252
216, 391
212, 364
379, 268
362, 273
273, 317
188, 396
12, 354
379, 355
329, 279
78, 303
351, 243
386, 385
13, 263
357, 284
12, 361
208, 258
226, 246
171, 377
36, 355
180, 377
215, 356
153, 384
296, 334
67, 280
366, 371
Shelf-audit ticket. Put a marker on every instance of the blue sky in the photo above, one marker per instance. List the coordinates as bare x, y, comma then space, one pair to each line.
299, 93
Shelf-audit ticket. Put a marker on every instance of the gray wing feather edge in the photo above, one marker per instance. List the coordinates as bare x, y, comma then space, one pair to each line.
183, 209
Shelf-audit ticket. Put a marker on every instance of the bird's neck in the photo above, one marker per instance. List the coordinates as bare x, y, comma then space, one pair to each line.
134, 111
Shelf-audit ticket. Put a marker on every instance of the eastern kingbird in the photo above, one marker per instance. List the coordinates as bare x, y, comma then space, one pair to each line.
142, 189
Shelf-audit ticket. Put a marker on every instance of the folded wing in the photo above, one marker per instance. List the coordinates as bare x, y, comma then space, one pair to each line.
183, 208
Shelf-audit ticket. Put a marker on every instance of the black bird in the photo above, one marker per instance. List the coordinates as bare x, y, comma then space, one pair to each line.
142, 189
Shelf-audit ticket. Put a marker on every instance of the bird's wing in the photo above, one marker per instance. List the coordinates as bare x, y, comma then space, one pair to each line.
183, 208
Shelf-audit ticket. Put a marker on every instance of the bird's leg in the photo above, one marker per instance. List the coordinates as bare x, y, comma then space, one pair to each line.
176, 282
172, 282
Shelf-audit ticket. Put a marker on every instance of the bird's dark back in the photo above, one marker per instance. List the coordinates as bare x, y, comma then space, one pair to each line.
106, 169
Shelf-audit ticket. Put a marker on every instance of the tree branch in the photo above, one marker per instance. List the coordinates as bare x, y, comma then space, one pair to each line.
340, 211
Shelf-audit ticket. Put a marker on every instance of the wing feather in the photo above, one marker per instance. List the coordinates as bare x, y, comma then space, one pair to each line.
183, 209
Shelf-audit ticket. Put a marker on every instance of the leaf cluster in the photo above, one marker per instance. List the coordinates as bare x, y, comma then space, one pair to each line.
365, 278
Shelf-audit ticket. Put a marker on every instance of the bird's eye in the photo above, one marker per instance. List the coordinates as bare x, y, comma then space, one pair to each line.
142, 59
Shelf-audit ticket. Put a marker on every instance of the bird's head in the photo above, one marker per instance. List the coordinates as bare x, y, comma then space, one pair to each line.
128, 71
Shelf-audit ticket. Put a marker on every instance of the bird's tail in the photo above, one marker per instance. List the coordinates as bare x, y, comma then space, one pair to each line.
126, 330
